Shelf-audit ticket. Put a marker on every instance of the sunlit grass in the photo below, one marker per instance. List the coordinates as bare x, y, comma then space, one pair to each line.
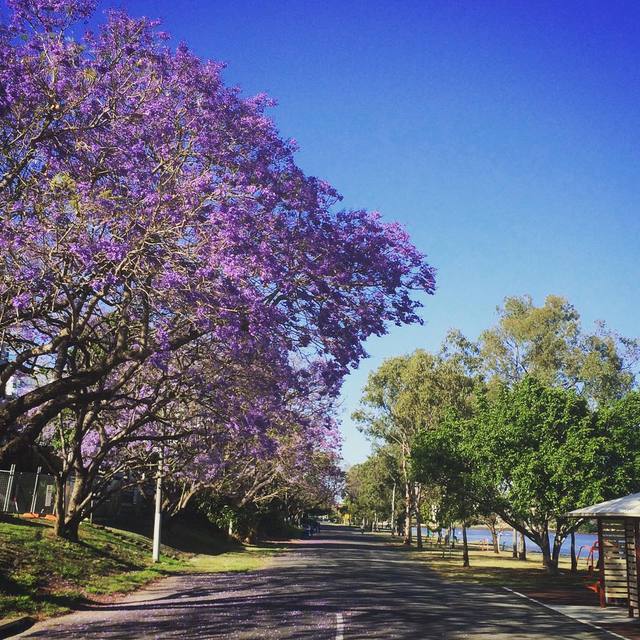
249, 559
43, 576
501, 569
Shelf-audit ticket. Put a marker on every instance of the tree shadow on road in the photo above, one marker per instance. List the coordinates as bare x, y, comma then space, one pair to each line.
377, 591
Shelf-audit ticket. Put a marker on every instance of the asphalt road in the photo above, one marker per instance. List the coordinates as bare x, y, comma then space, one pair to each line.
339, 585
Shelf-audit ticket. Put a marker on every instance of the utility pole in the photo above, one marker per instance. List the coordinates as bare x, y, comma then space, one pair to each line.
157, 521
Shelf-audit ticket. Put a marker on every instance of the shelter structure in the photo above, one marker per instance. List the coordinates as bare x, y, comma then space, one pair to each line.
618, 549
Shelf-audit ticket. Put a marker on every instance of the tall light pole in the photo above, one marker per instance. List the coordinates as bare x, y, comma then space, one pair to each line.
157, 521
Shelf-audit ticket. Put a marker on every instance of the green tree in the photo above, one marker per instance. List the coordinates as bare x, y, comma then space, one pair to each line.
442, 457
619, 427
404, 397
540, 453
369, 491
548, 342
381, 419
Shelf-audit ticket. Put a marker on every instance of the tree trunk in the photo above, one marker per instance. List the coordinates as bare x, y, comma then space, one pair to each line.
555, 556
67, 526
546, 554
574, 560
59, 510
548, 561
407, 516
514, 552
522, 553
408, 497
494, 539
251, 536
465, 546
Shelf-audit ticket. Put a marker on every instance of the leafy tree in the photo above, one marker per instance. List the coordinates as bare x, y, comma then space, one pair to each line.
539, 451
169, 277
369, 488
442, 457
408, 395
549, 343
380, 418
619, 426
145, 207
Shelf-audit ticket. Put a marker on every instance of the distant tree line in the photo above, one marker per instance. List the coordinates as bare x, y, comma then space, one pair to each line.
535, 418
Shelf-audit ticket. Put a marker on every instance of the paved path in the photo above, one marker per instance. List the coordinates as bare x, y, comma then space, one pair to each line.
340, 585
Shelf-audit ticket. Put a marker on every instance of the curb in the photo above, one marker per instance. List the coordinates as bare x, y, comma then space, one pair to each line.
11, 627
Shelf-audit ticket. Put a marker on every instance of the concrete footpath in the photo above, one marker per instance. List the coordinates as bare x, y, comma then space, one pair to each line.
339, 585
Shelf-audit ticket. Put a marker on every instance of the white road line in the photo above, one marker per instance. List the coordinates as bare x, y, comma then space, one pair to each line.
546, 606
339, 627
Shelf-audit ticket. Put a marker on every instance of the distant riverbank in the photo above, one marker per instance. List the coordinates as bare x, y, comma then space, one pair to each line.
478, 534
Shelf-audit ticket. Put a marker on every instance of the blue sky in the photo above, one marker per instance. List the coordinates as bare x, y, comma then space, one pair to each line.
504, 135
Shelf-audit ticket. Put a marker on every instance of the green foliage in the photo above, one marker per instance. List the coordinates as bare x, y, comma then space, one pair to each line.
548, 342
409, 394
441, 457
619, 427
369, 486
539, 449
534, 420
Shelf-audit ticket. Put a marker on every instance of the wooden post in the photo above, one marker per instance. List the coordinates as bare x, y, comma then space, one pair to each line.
601, 581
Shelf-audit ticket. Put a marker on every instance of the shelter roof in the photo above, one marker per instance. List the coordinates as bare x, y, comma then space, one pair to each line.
626, 507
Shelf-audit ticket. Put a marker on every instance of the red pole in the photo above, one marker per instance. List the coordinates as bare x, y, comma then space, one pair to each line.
636, 531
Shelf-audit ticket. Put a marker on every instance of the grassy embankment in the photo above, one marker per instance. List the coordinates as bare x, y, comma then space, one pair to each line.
43, 576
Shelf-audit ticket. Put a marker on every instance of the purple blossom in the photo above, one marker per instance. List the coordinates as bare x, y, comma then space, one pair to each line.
164, 249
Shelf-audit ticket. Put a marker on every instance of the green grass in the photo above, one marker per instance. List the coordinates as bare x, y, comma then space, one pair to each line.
43, 576
250, 558
501, 569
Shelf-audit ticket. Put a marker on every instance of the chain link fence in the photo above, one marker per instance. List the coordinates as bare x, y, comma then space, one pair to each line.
27, 492
35, 492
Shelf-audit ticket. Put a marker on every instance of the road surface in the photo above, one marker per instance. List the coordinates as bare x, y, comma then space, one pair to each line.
340, 585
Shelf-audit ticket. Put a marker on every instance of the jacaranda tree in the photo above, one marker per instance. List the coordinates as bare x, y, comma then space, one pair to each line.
144, 205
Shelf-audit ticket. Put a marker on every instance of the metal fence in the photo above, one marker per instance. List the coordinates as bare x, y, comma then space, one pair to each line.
26, 491
29, 492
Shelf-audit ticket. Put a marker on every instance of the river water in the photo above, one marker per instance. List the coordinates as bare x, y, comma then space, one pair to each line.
586, 540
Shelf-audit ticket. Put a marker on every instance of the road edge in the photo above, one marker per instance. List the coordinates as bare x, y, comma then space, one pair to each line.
547, 606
